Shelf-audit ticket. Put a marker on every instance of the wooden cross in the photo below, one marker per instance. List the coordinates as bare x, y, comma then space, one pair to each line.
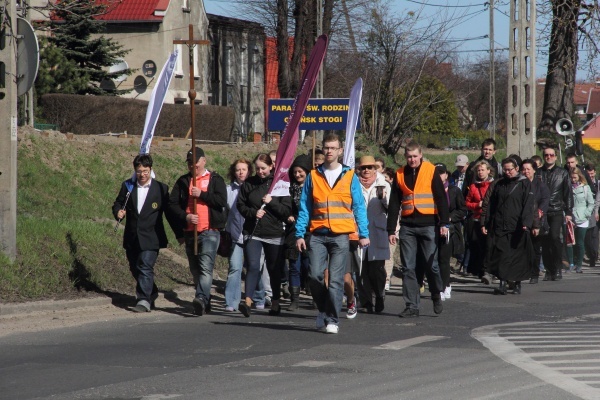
191, 43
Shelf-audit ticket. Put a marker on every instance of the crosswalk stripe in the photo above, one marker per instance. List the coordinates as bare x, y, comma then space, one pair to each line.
262, 373
313, 364
402, 344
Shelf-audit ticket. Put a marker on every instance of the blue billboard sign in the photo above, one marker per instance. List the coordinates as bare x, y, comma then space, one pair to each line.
320, 114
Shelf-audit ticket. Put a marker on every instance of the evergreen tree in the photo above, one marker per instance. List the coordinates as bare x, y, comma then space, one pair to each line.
73, 25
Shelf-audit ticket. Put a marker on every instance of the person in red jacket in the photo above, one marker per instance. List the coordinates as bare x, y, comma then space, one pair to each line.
476, 194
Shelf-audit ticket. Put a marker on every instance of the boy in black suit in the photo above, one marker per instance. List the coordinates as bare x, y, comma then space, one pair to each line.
143, 201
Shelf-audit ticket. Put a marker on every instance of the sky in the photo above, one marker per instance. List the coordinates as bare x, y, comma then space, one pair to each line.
468, 33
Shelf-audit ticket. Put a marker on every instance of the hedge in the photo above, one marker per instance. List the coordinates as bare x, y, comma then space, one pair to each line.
94, 115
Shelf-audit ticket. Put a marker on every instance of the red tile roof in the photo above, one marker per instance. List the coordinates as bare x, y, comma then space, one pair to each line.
134, 10
581, 94
593, 105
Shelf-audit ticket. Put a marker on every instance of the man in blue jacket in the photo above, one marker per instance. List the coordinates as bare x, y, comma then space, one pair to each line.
331, 207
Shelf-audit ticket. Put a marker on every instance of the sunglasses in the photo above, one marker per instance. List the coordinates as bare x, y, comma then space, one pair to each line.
366, 167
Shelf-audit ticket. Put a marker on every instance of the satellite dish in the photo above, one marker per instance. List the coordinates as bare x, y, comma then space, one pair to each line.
28, 56
149, 68
118, 67
108, 85
139, 84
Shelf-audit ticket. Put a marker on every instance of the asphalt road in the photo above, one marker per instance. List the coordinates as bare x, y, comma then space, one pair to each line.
543, 344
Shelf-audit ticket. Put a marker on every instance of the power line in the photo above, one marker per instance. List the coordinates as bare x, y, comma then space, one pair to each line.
446, 6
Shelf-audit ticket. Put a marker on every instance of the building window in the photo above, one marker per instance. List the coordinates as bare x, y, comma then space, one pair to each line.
179, 64
254, 67
196, 63
243, 66
229, 64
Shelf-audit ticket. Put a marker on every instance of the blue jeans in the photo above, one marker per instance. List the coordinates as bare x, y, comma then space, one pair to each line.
141, 265
233, 287
327, 251
201, 265
296, 267
419, 244
273, 259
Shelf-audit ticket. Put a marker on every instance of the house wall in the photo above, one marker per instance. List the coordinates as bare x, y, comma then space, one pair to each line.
236, 73
153, 41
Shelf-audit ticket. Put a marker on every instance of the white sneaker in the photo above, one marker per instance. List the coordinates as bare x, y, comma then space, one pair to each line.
320, 324
443, 296
387, 286
448, 292
331, 328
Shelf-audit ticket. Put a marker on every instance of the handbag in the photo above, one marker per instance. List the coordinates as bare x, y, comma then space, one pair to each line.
224, 249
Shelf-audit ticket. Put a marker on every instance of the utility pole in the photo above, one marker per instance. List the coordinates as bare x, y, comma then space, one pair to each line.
520, 122
8, 129
492, 120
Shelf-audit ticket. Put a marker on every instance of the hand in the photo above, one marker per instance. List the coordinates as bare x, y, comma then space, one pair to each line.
483, 230
392, 239
181, 240
267, 198
568, 218
480, 204
300, 245
196, 192
364, 242
535, 232
121, 214
260, 213
192, 219
597, 216
443, 231
291, 219
540, 214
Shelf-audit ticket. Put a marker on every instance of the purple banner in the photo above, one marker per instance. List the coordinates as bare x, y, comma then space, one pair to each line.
289, 141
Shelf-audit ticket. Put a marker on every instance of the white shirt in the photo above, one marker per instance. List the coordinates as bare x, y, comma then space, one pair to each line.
332, 175
142, 193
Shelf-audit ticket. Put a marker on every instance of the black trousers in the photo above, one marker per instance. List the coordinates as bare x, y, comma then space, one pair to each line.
536, 241
552, 246
591, 244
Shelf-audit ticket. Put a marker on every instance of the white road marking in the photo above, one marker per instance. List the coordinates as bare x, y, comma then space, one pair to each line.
402, 344
262, 373
313, 364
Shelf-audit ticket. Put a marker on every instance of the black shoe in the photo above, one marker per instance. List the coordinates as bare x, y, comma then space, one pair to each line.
275, 309
379, 306
558, 274
517, 289
199, 307
295, 298
369, 308
438, 307
501, 289
533, 280
285, 291
486, 279
409, 313
244, 309
546, 276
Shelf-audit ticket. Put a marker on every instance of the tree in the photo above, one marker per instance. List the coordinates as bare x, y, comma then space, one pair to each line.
85, 56
440, 116
573, 28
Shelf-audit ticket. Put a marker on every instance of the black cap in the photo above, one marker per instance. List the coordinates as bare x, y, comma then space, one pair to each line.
190, 155
441, 168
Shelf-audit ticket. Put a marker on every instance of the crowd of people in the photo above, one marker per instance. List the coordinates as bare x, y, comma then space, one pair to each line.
334, 236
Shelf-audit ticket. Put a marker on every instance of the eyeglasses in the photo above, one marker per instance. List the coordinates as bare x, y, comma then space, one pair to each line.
366, 167
330, 148
549, 155
507, 170
145, 172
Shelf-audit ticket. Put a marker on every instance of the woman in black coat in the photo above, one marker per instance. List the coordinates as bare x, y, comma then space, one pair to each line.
263, 231
507, 224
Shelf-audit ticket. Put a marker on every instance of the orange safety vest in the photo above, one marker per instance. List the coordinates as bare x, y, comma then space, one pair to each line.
332, 207
421, 197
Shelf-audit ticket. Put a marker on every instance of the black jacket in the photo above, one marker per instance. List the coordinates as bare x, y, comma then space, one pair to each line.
144, 229
561, 194
215, 197
249, 202
510, 205
542, 198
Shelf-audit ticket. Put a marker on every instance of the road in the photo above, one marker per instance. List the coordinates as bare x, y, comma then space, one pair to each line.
543, 344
